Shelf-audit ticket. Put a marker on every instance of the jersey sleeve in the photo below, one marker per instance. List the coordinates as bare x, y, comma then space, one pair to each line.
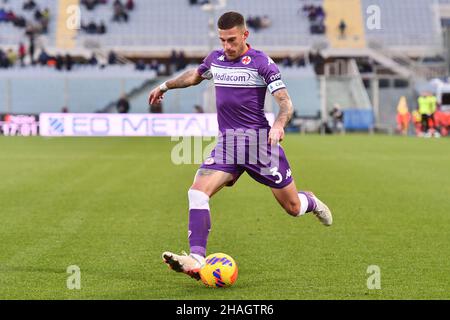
269, 71
204, 69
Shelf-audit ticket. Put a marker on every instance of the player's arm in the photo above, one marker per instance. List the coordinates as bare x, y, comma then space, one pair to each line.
283, 100
186, 79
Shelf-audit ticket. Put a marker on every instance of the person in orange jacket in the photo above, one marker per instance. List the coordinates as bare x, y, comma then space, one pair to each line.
403, 116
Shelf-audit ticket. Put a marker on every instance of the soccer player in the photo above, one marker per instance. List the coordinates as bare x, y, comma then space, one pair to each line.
241, 77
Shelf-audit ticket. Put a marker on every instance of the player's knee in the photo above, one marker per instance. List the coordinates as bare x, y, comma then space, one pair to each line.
198, 199
292, 208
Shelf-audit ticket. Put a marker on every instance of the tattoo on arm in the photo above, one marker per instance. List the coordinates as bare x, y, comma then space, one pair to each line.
286, 108
186, 79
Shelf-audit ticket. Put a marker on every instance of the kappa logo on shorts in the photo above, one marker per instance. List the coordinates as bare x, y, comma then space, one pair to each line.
246, 60
209, 161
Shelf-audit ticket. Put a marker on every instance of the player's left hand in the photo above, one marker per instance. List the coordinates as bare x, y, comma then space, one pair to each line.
276, 135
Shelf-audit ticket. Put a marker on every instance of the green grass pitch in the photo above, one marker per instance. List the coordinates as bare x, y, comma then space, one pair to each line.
112, 205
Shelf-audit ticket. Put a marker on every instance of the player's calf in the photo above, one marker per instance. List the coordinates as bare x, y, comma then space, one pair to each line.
292, 207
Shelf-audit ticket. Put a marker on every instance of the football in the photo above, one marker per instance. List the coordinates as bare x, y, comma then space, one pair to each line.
220, 271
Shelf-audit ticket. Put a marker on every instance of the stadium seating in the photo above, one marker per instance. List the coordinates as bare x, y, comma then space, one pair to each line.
350, 12
414, 24
156, 24
12, 35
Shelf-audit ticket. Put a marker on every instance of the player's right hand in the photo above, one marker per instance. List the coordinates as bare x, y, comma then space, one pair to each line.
276, 135
155, 96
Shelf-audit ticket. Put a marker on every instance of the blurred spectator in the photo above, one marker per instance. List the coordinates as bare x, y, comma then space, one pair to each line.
101, 28
43, 57
198, 109
91, 4
154, 65
181, 61
173, 62
29, 5
3, 17
31, 47
265, 22
4, 62
91, 28
123, 106
59, 62
22, 54
44, 25
427, 107
112, 58
120, 13
140, 65
316, 17
342, 29
301, 61
403, 116
93, 60
442, 122
287, 62
337, 118
254, 23
130, 5
10, 16
37, 15
318, 61
69, 62
12, 57
65, 109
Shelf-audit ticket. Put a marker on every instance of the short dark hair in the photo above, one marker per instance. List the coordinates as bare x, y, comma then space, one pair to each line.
230, 20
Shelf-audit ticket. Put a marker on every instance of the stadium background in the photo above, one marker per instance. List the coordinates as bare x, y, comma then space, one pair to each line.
101, 203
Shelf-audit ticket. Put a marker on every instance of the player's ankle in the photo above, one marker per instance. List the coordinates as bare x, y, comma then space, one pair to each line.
199, 258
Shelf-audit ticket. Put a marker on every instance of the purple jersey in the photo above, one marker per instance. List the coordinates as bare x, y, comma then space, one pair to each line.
241, 86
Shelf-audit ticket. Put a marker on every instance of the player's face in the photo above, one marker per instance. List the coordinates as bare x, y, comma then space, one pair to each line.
233, 41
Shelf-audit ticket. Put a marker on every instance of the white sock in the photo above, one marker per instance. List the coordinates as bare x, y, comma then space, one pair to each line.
303, 204
198, 257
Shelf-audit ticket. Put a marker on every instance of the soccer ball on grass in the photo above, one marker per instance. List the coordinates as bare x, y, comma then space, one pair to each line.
220, 271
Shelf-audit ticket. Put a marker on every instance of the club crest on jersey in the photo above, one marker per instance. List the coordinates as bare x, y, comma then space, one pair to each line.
209, 161
246, 60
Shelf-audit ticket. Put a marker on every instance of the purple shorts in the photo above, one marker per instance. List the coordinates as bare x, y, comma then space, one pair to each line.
265, 164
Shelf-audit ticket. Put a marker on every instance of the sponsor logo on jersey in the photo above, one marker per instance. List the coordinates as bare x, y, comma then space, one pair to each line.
236, 76
246, 60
